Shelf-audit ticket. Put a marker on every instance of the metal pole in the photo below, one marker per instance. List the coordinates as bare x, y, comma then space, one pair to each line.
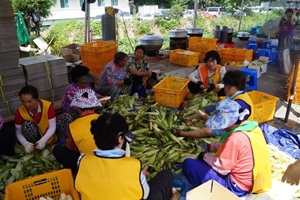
87, 36
195, 13
241, 14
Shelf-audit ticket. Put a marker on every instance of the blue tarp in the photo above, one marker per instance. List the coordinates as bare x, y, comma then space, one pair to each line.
285, 140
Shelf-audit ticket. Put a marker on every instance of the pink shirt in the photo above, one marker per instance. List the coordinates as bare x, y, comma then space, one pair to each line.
236, 159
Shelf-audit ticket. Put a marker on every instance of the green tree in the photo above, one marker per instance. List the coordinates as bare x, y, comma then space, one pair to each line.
183, 3
41, 7
176, 11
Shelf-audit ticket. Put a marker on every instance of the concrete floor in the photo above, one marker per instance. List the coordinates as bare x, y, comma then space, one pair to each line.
271, 82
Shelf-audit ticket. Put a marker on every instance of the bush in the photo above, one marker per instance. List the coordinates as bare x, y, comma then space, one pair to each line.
64, 33
143, 27
166, 25
176, 12
249, 12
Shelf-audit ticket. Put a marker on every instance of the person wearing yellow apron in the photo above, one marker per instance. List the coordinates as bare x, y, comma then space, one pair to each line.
36, 124
208, 76
241, 162
108, 174
234, 84
79, 138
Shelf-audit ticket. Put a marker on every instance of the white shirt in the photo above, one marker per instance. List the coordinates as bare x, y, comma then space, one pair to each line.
194, 76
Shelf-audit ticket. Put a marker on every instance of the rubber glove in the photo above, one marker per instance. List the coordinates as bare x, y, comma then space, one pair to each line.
29, 147
211, 87
41, 144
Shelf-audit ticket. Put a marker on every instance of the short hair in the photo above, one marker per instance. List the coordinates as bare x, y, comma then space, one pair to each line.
31, 90
106, 130
289, 10
235, 78
213, 55
78, 71
119, 56
141, 47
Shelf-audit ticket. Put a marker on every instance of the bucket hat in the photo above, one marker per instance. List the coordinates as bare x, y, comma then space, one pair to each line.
87, 78
226, 114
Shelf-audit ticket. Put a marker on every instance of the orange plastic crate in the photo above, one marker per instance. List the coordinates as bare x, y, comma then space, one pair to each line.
97, 54
45, 185
264, 106
171, 91
202, 44
184, 57
201, 56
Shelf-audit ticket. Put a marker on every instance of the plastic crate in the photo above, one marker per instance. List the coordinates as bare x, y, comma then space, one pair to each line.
96, 72
202, 44
235, 54
171, 91
98, 54
45, 185
264, 106
184, 57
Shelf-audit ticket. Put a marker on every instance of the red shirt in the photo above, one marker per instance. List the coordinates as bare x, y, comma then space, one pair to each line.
37, 117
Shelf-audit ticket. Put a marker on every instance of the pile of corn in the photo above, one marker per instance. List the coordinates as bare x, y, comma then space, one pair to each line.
24, 165
154, 144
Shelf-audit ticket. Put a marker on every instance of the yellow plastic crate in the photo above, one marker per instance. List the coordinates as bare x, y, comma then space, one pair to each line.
202, 44
184, 57
264, 106
98, 54
45, 185
171, 91
235, 54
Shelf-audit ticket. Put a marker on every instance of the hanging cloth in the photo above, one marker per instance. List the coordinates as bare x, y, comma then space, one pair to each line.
22, 32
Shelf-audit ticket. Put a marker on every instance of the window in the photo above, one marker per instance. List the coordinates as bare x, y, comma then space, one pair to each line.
114, 2
80, 2
101, 2
64, 3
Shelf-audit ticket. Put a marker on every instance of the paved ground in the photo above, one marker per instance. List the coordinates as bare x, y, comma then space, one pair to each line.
271, 82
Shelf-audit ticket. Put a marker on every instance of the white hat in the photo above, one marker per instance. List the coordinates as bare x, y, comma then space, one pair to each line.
85, 98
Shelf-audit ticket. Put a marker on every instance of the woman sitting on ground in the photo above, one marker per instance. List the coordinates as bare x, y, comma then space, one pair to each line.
234, 85
36, 123
108, 174
140, 72
241, 162
208, 76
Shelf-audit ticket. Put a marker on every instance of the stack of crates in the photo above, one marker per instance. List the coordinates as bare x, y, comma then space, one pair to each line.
202, 45
96, 55
235, 54
184, 57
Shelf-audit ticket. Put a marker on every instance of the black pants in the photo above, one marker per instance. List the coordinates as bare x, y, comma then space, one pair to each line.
161, 186
66, 157
7, 139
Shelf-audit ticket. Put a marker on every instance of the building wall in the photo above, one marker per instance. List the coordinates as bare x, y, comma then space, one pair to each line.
74, 10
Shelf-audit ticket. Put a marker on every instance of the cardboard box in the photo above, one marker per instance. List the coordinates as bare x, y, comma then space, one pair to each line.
260, 66
211, 190
70, 49
72, 58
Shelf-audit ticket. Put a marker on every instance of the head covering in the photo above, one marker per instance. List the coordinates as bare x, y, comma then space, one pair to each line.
85, 98
227, 113
87, 78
